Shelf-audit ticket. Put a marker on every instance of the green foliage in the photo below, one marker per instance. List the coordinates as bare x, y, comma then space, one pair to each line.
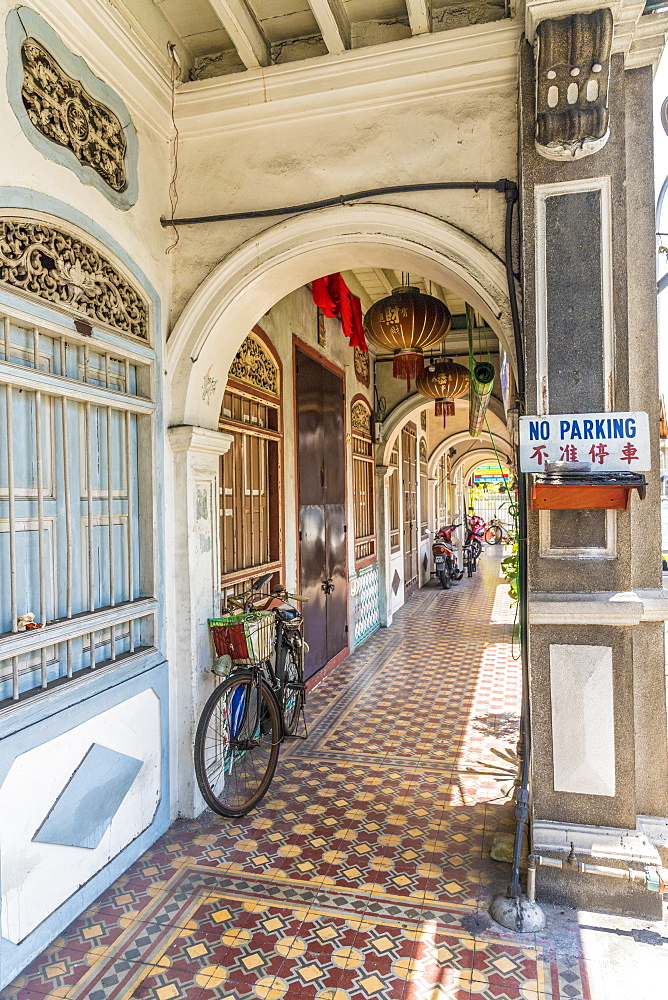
510, 570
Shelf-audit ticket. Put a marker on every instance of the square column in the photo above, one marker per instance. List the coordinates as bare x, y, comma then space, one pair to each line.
195, 594
596, 607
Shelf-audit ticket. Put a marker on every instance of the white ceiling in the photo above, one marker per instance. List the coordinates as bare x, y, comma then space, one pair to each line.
217, 37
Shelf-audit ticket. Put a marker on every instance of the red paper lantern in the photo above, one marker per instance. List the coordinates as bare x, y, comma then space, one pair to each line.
444, 382
407, 322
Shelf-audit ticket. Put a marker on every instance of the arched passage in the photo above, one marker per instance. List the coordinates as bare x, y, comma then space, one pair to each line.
263, 270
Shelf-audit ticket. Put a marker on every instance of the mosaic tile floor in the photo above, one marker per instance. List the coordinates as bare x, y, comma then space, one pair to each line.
365, 873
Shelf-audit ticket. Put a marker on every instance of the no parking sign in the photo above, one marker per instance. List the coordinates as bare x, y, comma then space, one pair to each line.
603, 442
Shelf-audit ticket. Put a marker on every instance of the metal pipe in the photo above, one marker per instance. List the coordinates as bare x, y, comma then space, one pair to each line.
522, 793
89, 476
502, 186
128, 487
9, 400
653, 878
68, 512
110, 509
40, 516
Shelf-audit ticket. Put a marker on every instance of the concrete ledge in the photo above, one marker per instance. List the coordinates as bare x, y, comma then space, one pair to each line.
622, 608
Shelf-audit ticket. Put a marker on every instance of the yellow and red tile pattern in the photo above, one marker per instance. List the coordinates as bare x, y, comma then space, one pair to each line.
365, 872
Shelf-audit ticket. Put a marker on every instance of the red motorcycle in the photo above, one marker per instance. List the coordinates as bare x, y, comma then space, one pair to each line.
475, 534
445, 558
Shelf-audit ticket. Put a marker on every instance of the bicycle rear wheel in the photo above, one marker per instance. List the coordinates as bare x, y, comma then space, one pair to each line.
237, 744
293, 695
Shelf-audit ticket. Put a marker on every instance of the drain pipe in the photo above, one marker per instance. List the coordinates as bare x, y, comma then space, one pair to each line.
513, 910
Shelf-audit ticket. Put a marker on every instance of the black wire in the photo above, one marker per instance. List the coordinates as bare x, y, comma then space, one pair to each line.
502, 186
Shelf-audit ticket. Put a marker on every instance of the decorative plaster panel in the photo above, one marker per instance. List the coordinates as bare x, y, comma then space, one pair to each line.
36, 878
67, 112
41, 260
583, 721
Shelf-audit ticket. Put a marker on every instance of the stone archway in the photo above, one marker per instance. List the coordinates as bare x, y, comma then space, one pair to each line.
200, 350
265, 269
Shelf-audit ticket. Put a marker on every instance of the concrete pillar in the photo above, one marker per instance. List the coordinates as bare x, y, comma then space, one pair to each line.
196, 452
600, 751
383, 473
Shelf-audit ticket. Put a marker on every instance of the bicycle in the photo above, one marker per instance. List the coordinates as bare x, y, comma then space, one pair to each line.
257, 704
497, 532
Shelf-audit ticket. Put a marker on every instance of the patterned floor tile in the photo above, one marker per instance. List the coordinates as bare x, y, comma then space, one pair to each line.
364, 873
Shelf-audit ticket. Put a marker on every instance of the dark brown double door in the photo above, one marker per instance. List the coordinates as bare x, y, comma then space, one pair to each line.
322, 509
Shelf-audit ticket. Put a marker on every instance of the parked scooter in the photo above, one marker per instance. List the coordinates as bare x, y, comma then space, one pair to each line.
475, 535
445, 557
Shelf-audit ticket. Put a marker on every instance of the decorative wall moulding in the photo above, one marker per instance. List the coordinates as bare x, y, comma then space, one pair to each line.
67, 112
572, 75
49, 263
253, 365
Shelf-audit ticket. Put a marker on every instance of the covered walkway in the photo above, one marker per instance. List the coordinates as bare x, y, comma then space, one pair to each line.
365, 873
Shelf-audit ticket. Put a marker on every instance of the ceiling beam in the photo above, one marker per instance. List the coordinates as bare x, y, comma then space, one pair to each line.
419, 16
333, 23
358, 289
249, 40
385, 281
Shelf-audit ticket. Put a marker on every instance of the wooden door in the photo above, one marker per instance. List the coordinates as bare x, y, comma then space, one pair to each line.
321, 498
409, 485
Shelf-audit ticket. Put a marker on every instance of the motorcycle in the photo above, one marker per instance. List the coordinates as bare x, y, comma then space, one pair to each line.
445, 558
475, 535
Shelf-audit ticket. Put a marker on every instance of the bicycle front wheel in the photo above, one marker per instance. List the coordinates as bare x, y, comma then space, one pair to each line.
292, 693
237, 744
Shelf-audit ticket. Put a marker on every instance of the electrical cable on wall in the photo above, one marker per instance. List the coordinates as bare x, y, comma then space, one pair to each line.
173, 191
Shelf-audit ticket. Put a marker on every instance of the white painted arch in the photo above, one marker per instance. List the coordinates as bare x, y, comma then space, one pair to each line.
504, 447
260, 272
467, 463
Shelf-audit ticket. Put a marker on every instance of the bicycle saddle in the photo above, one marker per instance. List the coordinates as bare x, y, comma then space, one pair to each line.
287, 614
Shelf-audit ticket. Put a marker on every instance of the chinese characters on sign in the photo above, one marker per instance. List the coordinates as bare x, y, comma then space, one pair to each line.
604, 442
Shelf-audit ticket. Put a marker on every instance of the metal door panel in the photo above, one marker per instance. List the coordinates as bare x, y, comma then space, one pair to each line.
337, 601
313, 561
321, 478
310, 430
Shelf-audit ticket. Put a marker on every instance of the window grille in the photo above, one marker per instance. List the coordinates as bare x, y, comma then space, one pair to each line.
395, 525
75, 532
424, 486
250, 536
442, 491
363, 482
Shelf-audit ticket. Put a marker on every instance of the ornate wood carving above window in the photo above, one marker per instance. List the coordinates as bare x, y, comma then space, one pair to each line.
252, 364
63, 111
362, 366
360, 418
44, 261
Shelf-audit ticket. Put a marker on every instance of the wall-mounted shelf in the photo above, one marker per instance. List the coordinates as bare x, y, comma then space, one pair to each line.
586, 491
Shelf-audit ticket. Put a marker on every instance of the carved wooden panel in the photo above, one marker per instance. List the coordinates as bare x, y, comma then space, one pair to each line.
53, 265
63, 111
360, 418
253, 364
362, 371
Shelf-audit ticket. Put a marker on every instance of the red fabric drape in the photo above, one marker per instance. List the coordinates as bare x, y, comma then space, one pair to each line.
332, 295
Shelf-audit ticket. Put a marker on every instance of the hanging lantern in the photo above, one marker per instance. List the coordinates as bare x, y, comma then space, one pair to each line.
407, 322
443, 381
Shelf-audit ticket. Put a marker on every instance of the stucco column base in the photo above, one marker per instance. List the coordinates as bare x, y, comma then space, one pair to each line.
196, 452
